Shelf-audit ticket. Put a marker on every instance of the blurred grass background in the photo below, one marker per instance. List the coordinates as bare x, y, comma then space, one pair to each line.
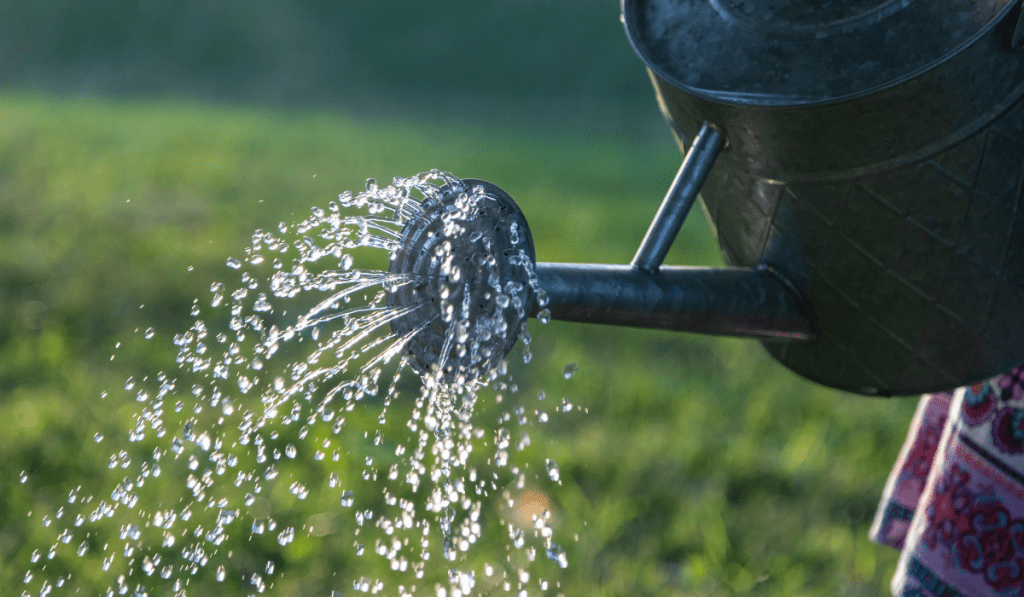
142, 142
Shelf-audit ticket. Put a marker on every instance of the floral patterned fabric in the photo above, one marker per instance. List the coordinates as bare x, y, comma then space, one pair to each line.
954, 502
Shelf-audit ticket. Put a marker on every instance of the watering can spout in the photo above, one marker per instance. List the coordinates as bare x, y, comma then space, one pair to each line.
745, 302
476, 229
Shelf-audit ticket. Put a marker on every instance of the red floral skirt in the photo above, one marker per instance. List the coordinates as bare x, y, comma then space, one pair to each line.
954, 502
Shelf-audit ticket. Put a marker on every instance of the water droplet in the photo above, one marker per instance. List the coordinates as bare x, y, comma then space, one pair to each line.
556, 553
262, 305
346, 498
234, 263
544, 316
553, 473
542, 299
569, 370
286, 536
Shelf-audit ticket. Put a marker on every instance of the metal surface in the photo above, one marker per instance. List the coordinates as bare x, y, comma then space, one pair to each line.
488, 242
886, 125
679, 199
745, 302
886, 189
916, 275
789, 52
1018, 33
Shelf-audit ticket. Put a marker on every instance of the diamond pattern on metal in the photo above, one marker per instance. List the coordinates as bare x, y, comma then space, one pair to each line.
907, 272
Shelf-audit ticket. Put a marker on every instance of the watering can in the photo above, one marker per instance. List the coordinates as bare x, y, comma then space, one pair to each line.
860, 163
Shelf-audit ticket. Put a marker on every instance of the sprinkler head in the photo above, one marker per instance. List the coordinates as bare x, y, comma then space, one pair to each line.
471, 259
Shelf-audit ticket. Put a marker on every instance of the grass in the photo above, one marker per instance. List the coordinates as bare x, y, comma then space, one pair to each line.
700, 467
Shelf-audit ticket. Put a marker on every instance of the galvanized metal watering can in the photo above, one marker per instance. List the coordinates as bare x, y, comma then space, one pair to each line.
860, 162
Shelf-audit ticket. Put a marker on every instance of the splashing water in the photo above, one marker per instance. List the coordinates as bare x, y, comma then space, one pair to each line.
264, 401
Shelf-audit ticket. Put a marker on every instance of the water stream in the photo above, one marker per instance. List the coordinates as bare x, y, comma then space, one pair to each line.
291, 385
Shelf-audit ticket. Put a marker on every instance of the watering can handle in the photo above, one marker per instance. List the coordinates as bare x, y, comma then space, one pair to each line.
749, 302
680, 197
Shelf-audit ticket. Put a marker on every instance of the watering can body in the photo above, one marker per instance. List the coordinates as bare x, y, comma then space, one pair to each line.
872, 160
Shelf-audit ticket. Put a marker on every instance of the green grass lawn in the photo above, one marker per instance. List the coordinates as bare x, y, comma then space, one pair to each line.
700, 467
